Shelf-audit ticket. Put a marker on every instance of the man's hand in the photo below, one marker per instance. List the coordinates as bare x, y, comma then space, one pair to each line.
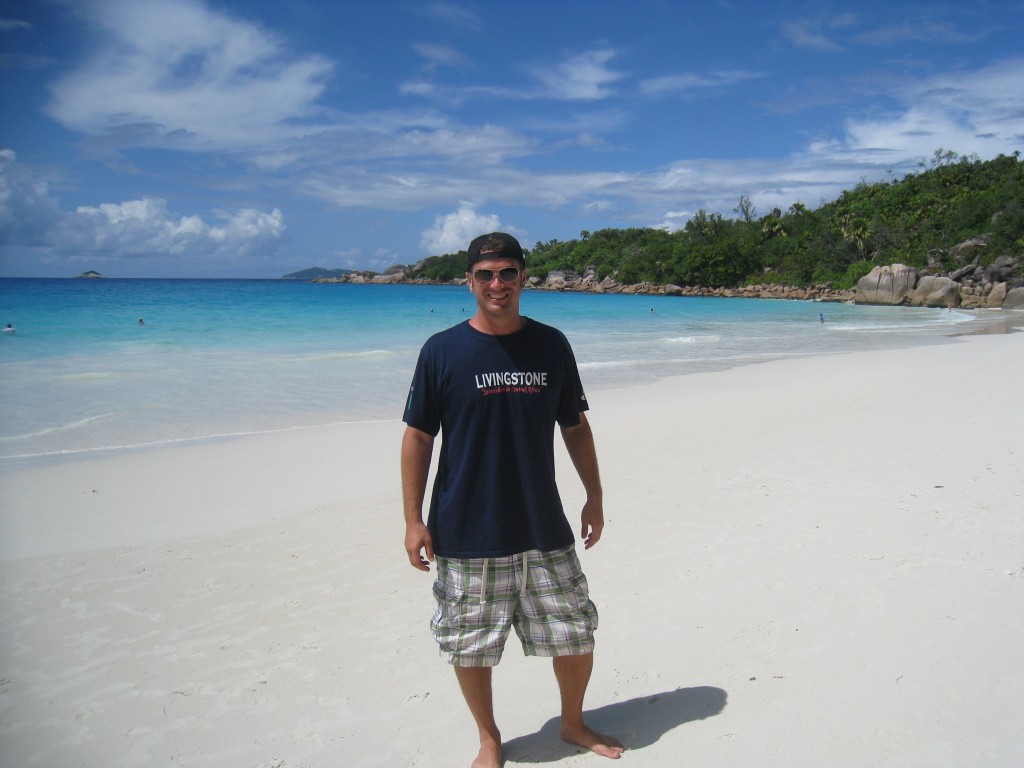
419, 546
579, 441
416, 449
593, 523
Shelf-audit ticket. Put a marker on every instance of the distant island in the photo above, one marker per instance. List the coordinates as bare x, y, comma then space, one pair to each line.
314, 273
90, 273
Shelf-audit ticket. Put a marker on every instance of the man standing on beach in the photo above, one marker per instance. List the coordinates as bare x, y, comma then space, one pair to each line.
495, 386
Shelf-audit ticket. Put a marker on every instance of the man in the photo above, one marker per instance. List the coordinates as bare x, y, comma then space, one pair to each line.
495, 386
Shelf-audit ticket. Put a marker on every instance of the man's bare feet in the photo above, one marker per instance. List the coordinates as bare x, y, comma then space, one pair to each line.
598, 743
490, 754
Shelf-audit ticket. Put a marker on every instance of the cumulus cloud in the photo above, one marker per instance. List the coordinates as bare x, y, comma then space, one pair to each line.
453, 231
27, 210
146, 228
174, 72
31, 216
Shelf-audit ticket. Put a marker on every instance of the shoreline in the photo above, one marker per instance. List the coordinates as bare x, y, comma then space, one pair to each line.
983, 321
967, 287
826, 540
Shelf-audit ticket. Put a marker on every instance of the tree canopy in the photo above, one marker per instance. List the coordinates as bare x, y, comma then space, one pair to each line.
914, 220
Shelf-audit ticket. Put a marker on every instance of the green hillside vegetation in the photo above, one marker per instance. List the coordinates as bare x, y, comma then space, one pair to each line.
914, 220
314, 273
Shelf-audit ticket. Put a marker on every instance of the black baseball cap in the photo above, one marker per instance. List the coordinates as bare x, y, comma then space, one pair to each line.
495, 245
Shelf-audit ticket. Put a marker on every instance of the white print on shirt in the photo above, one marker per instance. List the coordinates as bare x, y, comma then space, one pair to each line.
530, 382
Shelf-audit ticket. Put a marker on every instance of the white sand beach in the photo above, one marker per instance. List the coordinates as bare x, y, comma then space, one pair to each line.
810, 562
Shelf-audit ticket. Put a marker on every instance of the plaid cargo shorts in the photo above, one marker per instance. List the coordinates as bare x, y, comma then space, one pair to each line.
543, 595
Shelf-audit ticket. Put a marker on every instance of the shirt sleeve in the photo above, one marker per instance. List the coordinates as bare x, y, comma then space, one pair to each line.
573, 401
422, 405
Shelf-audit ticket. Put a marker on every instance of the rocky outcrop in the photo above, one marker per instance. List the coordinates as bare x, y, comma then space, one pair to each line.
935, 291
361, 277
968, 249
1000, 270
1014, 299
563, 279
555, 280
997, 296
969, 286
988, 286
567, 282
890, 285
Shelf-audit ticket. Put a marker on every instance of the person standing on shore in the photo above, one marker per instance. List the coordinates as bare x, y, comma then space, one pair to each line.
494, 386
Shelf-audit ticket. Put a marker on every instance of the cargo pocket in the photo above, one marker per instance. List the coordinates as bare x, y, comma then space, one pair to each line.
449, 616
584, 605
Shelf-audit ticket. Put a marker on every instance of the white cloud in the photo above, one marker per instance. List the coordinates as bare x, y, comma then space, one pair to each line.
691, 82
803, 34
970, 111
918, 29
146, 228
418, 88
31, 217
27, 210
13, 25
584, 76
173, 72
453, 16
440, 55
483, 145
178, 74
454, 231
580, 77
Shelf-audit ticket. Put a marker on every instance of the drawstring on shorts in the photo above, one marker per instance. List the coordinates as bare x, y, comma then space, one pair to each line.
526, 572
483, 577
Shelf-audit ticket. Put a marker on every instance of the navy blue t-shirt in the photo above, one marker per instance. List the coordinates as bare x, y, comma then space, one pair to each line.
496, 400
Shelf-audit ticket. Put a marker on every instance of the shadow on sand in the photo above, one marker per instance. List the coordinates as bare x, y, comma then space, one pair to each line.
637, 723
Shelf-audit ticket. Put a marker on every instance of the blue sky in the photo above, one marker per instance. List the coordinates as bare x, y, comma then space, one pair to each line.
190, 138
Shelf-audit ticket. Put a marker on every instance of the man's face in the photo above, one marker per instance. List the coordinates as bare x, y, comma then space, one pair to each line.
495, 296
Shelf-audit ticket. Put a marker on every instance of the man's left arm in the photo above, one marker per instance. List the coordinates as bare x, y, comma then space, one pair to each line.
579, 441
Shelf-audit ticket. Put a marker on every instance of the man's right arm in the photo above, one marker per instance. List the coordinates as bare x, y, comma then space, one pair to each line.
417, 447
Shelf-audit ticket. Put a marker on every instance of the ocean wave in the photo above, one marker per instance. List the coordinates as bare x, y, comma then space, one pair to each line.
869, 328
935, 319
58, 428
90, 376
691, 339
366, 353
598, 364
172, 441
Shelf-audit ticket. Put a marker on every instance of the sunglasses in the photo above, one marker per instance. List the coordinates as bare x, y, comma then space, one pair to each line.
506, 275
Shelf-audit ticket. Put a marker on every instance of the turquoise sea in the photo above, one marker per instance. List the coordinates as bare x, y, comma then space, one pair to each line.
232, 357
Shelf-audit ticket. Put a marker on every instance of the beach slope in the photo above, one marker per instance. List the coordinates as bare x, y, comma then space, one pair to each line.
814, 561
